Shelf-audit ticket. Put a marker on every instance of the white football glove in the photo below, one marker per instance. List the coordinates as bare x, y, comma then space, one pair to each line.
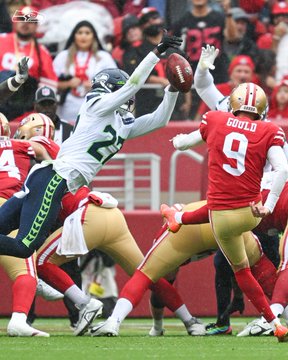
208, 56
181, 142
22, 70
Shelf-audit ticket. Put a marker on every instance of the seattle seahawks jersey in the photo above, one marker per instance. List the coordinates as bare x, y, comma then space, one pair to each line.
102, 129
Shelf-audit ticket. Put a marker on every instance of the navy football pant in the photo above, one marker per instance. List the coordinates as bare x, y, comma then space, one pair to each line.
33, 215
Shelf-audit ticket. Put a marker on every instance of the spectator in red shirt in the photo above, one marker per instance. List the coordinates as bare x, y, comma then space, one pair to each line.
127, 32
241, 70
279, 101
22, 42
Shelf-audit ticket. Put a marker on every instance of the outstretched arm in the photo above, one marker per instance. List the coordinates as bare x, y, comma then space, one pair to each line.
203, 80
8, 87
114, 100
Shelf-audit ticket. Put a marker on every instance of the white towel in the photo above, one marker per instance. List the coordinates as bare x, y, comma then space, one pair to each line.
72, 241
103, 199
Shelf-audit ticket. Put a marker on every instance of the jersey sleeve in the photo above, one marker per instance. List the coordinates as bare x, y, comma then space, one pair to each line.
204, 125
26, 148
278, 137
51, 147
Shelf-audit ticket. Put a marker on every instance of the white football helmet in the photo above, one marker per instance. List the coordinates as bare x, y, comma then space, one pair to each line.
250, 98
36, 124
4, 126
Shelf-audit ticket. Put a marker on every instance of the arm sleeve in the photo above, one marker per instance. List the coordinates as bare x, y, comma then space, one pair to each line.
159, 118
277, 158
111, 102
206, 89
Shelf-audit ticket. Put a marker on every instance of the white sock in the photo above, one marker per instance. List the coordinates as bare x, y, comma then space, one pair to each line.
77, 296
277, 309
19, 317
178, 217
122, 308
158, 324
274, 322
183, 313
285, 313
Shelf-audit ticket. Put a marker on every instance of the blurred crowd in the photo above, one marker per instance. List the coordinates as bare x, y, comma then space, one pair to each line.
68, 42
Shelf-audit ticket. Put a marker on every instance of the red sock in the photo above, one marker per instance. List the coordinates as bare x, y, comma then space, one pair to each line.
135, 288
55, 277
167, 294
250, 287
23, 289
265, 273
199, 216
280, 294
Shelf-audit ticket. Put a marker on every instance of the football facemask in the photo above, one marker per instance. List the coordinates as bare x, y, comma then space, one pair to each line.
35, 124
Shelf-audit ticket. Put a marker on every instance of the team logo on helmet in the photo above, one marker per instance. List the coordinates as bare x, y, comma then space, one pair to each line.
35, 124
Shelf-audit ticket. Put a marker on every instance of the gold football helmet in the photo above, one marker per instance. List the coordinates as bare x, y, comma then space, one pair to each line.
35, 124
4, 126
250, 98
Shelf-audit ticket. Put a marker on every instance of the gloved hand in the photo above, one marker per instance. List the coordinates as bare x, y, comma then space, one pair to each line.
22, 70
208, 56
181, 142
168, 41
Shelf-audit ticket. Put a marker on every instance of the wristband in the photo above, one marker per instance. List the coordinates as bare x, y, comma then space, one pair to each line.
13, 87
19, 79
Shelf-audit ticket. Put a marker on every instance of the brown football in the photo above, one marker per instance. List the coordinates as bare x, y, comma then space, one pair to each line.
179, 72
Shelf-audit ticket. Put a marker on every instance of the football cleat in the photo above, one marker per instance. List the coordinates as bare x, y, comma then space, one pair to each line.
16, 328
47, 292
257, 327
281, 333
110, 327
155, 332
195, 327
214, 329
169, 214
86, 316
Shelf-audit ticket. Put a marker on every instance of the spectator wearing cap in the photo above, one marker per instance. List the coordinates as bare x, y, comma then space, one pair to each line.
148, 99
152, 27
244, 44
75, 66
46, 103
279, 14
127, 32
241, 70
22, 42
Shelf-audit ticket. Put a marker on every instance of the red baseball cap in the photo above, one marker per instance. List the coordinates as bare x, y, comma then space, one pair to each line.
241, 60
279, 8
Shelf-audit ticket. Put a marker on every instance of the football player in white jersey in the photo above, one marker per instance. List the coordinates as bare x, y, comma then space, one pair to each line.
104, 123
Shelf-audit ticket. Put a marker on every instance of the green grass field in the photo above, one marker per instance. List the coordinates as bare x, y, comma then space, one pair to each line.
134, 343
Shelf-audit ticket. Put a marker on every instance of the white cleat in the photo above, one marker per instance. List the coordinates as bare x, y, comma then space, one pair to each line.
195, 327
258, 327
110, 327
47, 292
86, 316
23, 329
155, 332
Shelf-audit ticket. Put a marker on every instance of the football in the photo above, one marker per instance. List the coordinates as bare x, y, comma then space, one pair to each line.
179, 72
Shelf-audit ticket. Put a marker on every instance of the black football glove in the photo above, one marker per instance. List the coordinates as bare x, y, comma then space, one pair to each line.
167, 42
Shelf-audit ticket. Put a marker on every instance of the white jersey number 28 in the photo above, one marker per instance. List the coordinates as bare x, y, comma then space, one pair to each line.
241, 142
